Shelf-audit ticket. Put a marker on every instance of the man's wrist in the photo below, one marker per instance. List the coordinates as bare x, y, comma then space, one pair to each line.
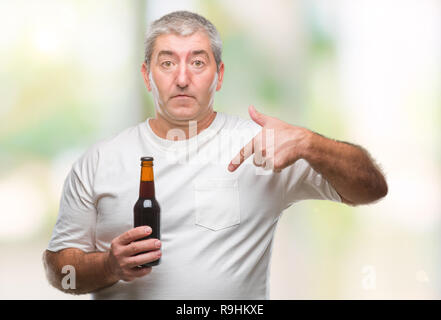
307, 147
107, 266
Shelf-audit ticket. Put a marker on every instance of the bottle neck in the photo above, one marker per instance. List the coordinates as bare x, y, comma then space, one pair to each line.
147, 185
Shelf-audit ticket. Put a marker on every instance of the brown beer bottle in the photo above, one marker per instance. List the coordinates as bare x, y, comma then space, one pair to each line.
146, 210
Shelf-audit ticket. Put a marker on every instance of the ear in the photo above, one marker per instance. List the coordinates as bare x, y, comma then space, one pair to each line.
220, 76
145, 75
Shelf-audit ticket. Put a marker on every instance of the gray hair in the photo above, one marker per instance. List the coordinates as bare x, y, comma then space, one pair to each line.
183, 23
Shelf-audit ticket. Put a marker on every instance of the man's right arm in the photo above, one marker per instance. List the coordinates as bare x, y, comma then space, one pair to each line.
91, 270
98, 270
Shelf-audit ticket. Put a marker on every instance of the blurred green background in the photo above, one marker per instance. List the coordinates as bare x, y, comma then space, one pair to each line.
366, 72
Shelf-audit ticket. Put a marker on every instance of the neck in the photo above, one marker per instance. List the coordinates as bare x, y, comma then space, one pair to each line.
161, 126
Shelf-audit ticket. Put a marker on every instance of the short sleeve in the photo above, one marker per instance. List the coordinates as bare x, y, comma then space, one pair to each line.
302, 182
75, 226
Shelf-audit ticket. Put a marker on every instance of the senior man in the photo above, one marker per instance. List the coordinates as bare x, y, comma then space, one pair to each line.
219, 212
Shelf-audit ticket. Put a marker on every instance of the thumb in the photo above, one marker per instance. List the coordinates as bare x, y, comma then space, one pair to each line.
257, 117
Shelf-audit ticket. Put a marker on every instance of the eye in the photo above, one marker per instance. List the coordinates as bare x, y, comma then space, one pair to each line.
166, 64
198, 63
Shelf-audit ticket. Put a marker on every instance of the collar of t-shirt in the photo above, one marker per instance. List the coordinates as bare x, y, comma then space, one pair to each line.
171, 146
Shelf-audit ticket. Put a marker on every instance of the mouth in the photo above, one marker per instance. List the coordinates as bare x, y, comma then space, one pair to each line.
182, 96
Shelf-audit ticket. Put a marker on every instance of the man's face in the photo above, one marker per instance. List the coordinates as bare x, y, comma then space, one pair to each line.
183, 76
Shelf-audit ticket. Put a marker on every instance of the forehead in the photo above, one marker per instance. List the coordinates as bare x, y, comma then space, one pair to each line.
182, 45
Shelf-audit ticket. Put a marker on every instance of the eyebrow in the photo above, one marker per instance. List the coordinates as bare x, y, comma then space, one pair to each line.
202, 52
166, 53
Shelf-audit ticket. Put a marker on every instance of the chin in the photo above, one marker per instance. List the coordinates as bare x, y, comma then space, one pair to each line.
183, 112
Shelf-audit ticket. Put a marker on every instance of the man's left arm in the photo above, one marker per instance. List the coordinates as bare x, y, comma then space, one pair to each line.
348, 168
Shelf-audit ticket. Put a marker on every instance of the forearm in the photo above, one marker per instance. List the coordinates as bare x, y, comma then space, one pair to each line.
348, 168
91, 272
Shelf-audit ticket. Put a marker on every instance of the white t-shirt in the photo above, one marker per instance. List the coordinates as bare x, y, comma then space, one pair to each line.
217, 227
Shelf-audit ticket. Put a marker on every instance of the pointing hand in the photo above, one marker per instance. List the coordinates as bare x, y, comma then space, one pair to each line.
275, 147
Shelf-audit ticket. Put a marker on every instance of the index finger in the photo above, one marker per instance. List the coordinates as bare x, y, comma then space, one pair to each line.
244, 154
134, 234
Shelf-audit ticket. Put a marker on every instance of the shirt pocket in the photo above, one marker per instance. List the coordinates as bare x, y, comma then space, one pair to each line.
217, 203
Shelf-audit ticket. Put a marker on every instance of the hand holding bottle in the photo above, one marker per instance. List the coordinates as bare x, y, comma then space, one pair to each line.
126, 254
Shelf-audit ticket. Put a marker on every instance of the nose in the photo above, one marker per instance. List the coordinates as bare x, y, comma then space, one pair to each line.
183, 77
